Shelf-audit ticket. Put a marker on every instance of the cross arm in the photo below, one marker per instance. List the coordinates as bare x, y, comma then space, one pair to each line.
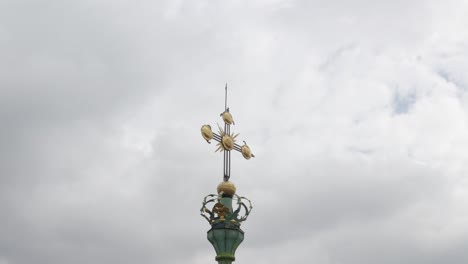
216, 137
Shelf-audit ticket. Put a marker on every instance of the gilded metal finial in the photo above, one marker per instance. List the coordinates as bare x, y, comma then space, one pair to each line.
226, 140
220, 213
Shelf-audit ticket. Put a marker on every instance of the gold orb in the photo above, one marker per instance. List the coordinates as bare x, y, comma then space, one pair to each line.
227, 187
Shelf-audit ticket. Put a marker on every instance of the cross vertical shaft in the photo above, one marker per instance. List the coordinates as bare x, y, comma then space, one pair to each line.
227, 154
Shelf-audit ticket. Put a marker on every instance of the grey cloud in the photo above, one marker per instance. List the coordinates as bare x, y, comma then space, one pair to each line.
101, 104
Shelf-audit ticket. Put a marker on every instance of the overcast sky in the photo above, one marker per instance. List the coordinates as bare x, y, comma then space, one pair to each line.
357, 112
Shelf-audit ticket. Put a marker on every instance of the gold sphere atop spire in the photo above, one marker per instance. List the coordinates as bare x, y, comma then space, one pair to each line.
227, 187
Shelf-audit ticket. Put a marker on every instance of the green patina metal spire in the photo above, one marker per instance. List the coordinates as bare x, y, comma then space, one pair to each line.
225, 218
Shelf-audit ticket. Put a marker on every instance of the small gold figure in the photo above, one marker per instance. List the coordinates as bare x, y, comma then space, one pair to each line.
207, 133
246, 152
227, 117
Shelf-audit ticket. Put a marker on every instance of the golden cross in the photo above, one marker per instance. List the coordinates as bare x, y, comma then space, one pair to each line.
226, 140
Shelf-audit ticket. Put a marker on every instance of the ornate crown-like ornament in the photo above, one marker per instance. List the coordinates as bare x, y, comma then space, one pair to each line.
222, 214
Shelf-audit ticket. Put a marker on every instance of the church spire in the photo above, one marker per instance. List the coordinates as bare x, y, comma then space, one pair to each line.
225, 219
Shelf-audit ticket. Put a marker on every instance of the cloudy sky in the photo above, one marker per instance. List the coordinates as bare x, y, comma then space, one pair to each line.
357, 112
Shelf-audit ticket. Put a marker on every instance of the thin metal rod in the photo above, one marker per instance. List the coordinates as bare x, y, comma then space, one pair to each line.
227, 154
237, 147
229, 167
226, 164
226, 157
217, 137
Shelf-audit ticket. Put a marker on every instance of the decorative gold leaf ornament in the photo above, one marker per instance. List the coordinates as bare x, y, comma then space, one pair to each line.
220, 210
